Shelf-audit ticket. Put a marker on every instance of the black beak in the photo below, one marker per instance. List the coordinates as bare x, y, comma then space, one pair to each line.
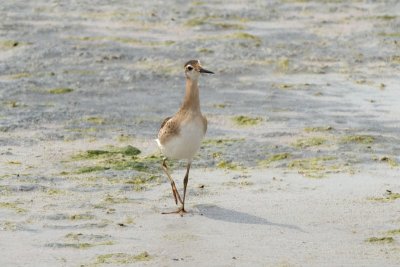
205, 71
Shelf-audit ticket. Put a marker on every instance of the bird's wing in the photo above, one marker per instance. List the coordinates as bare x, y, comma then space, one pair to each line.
164, 122
169, 128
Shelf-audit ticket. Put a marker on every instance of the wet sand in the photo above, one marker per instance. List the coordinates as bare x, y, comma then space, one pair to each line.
300, 166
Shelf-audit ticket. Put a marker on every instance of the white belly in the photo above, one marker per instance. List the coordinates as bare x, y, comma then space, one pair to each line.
186, 144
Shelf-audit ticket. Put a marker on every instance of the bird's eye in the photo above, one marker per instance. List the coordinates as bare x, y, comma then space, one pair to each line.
189, 68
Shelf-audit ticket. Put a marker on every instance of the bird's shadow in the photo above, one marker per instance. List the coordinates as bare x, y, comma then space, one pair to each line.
221, 214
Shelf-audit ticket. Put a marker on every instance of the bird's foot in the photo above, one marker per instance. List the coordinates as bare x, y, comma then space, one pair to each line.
179, 211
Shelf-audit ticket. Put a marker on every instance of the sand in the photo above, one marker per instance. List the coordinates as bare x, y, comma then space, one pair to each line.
300, 165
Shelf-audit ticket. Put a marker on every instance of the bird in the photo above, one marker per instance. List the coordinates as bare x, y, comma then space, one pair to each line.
180, 135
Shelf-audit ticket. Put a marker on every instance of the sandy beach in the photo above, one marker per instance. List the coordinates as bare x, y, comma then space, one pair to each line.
300, 165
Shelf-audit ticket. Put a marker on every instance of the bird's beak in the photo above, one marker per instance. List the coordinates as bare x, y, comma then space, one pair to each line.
205, 71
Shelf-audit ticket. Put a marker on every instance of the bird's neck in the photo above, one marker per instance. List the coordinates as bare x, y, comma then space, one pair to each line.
192, 100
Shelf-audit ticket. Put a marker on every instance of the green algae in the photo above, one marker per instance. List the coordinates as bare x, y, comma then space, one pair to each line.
392, 34
359, 139
220, 106
96, 120
88, 169
73, 236
122, 258
128, 151
386, 17
60, 90
393, 232
83, 216
10, 44
12, 206
282, 64
141, 180
113, 151
123, 40
216, 155
318, 129
246, 36
129, 165
205, 50
228, 165
314, 167
391, 161
229, 26
110, 199
380, 240
21, 75
210, 20
55, 192
390, 196
94, 153
8, 226
246, 120
117, 158
274, 158
14, 162
14, 104
124, 138
309, 142
194, 22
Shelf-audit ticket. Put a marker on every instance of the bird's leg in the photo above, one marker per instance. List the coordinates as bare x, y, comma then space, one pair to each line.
174, 190
182, 210
185, 182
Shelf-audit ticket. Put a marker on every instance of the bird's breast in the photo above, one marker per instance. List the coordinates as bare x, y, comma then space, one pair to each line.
186, 144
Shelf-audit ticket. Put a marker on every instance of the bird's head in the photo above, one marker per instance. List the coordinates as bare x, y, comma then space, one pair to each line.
193, 69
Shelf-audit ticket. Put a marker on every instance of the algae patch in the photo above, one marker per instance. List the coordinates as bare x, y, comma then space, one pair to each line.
283, 64
123, 40
246, 36
113, 151
208, 20
60, 90
228, 165
96, 120
10, 44
359, 139
309, 142
246, 120
393, 232
391, 161
274, 158
122, 258
116, 158
390, 196
314, 167
12, 206
380, 240
83, 216
318, 129
20, 75
88, 169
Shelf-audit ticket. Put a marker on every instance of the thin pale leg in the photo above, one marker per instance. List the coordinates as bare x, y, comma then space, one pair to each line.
174, 190
182, 210
185, 182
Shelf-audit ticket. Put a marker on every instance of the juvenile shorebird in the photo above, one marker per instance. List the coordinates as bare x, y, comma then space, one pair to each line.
180, 136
